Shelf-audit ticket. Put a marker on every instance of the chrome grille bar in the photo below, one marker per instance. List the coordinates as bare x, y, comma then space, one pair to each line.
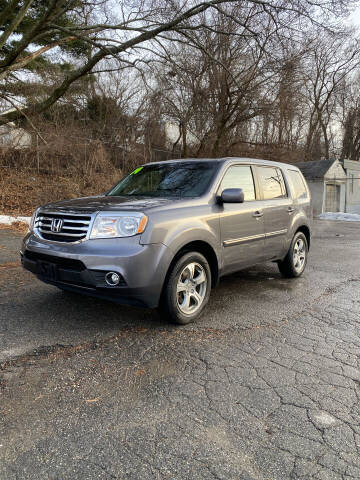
62, 234
83, 229
84, 222
74, 227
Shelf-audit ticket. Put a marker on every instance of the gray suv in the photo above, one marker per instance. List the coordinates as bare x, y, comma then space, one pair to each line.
167, 232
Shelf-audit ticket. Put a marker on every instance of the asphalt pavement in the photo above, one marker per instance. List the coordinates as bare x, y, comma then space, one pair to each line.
266, 385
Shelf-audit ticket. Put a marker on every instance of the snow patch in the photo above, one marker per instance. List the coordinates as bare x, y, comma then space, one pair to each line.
344, 217
9, 220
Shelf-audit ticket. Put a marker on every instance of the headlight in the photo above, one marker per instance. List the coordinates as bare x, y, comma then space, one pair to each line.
124, 224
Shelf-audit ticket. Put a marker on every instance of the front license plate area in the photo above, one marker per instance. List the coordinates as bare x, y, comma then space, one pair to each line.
47, 270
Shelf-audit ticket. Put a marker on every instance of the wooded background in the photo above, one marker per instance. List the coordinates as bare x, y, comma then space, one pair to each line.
95, 83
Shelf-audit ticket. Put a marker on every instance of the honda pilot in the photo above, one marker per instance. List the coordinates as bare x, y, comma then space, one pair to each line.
167, 232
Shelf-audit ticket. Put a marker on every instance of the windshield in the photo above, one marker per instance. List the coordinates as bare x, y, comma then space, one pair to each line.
182, 179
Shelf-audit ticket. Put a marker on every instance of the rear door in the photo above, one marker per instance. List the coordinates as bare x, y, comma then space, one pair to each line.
242, 224
277, 207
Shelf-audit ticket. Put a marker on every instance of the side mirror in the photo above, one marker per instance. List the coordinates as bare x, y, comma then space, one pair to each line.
232, 195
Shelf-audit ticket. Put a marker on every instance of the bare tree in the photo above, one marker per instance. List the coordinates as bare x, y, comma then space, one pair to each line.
350, 118
332, 58
216, 88
43, 26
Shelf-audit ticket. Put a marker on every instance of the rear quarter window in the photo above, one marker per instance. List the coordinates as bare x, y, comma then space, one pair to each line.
298, 183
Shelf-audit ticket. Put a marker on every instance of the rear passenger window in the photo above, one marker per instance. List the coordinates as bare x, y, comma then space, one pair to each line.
272, 182
298, 184
240, 176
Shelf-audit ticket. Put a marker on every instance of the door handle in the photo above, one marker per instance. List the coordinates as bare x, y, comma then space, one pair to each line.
258, 214
291, 209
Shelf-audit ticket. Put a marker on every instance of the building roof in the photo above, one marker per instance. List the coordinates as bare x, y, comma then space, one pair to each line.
316, 168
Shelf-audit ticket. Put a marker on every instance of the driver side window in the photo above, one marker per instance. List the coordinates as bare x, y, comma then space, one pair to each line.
240, 176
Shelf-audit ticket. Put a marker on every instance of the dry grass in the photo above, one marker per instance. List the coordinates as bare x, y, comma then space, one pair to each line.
22, 191
63, 168
17, 227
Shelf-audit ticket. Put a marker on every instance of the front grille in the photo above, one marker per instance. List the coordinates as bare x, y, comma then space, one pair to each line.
62, 262
62, 227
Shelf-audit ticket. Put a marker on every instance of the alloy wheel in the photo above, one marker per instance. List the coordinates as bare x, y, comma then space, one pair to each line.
299, 255
191, 288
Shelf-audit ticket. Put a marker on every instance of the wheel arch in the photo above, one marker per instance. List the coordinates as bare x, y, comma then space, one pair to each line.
306, 231
205, 249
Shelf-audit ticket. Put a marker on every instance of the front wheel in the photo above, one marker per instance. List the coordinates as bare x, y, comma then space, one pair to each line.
295, 261
187, 289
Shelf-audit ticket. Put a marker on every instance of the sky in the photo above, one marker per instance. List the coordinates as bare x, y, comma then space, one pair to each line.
355, 17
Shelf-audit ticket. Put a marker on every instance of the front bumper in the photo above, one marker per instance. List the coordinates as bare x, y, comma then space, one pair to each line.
82, 267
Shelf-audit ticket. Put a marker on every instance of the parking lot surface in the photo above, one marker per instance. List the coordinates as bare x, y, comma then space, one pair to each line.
266, 385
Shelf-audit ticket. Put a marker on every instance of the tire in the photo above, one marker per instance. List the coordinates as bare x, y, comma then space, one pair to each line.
187, 289
295, 261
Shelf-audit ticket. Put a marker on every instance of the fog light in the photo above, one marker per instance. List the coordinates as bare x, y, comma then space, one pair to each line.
112, 279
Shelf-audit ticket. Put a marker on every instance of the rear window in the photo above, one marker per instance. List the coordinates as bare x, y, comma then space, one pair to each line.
298, 184
272, 182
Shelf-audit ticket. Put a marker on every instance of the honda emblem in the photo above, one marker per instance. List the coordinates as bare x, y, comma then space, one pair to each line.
56, 225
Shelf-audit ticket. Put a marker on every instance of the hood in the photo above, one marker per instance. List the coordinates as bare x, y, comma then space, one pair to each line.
108, 203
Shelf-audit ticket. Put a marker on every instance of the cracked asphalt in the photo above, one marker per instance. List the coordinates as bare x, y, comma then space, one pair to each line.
266, 385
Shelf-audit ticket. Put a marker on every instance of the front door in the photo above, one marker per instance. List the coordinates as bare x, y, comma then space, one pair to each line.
332, 198
278, 207
242, 224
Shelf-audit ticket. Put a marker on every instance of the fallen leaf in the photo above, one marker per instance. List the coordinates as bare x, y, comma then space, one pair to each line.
142, 330
92, 400
10, 265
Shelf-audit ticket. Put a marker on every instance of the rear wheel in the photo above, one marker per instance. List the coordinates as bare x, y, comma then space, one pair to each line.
295, 261
187, 289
